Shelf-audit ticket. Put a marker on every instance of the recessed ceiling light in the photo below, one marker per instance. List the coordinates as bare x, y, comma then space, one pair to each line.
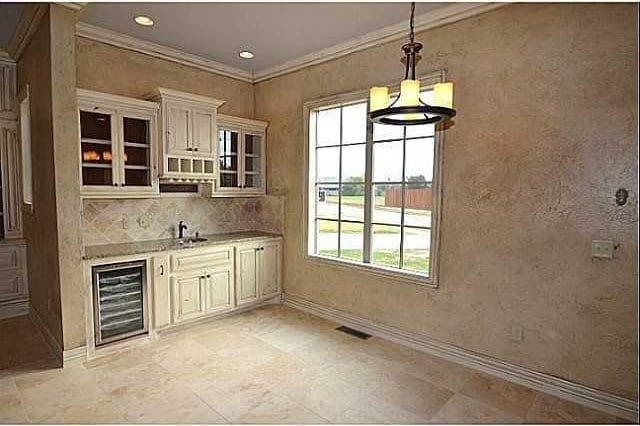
245, 54
143, 20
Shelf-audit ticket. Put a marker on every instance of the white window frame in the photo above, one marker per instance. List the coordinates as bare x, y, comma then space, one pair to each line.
24, 117
430, 280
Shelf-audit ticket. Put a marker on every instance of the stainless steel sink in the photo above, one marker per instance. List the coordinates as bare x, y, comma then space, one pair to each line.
192, 240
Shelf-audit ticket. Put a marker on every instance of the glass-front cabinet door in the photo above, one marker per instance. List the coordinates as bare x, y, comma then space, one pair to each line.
117, 148
253, 157
97, 143
137, 168
228, 144
241, 157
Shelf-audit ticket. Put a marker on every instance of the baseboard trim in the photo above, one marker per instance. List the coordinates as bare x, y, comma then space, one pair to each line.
13, 308
590, 397
51, 340
74, 356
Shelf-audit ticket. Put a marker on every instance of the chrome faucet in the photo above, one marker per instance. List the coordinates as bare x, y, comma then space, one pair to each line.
181, 228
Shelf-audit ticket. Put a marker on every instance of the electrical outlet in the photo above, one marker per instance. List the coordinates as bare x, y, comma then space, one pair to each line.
125, 222
602, 249
517, 333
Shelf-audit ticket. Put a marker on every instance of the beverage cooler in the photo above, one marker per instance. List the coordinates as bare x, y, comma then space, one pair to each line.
120, 305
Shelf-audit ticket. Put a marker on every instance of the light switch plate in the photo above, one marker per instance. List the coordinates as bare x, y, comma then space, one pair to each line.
602, 249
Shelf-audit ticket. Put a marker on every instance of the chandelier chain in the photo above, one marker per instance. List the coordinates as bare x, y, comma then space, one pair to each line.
413, 8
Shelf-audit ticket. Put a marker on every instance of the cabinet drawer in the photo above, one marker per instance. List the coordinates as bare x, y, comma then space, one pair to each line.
205, 258
11, 257
11, 285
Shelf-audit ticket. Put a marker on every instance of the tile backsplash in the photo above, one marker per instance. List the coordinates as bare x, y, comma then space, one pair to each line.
128, 220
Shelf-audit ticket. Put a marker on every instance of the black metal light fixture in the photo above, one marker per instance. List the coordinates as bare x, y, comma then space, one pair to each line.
408, 109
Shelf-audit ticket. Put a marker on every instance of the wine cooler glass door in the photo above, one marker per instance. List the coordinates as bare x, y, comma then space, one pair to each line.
119, 301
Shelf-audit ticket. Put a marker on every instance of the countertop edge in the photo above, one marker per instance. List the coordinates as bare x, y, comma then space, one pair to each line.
170, 245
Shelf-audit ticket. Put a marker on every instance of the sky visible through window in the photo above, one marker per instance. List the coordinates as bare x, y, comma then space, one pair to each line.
400, 201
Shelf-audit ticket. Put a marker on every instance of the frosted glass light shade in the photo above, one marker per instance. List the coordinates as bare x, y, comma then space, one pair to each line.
409, 93
378, 98
443, 95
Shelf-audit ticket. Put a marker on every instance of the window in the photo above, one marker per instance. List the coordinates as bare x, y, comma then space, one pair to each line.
371, 191
25, 143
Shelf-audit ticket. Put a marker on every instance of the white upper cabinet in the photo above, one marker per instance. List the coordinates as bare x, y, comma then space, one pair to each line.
117, 145
10, 205
188, 136
204, 133
241, 157
7, 89
177, 139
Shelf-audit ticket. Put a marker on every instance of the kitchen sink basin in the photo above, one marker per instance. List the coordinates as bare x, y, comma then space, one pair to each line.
192, 240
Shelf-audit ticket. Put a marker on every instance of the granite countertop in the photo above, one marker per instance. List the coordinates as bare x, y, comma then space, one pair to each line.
151, 246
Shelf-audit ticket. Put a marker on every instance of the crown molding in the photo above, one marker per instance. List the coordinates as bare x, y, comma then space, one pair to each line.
5, 58
114, 38
436, 18
77, 6
27, 26
446, 15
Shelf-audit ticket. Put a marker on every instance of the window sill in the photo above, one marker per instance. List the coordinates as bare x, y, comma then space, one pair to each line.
380, 271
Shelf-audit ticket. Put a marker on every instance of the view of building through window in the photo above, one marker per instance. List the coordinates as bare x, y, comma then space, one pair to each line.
373, 188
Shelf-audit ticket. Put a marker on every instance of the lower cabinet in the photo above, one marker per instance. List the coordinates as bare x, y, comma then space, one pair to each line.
247, 271
258, 271
191, 283
188, 297
219, 291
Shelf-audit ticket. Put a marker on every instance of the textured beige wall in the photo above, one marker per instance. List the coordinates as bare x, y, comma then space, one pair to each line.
68, 205
40, 227
110, 69
545, 134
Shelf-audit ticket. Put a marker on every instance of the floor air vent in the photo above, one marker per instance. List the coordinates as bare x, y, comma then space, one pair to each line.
356, 333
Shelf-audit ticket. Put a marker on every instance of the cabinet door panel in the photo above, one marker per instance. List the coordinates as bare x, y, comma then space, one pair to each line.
220, 290
203, 133
247, 265
253, 165
178, 129
228, 154
11, 201
11, 285
161, 292
269, 269
97, 141
136, 137
188, 298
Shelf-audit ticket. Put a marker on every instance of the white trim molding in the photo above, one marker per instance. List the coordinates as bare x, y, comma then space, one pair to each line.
445, 15
117, 39
13, 308
26, 28
590, 397
74, 356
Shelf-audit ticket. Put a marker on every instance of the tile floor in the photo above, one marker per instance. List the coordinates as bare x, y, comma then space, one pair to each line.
270, 365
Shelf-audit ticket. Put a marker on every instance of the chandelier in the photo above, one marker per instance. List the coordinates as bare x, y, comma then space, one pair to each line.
407, 108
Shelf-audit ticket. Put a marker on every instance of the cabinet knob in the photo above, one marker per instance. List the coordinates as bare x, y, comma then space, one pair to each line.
195, 149
189, 149
208, 276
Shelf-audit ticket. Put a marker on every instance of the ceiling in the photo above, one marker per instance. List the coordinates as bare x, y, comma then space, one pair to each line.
9, 16
274, 32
